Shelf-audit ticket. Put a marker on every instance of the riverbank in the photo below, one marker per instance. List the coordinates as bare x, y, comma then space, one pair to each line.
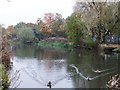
63, 43
55, 44
58, 42
110, 47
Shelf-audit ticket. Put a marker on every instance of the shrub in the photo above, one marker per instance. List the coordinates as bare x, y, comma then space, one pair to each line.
25, 34
55, 44
4, 79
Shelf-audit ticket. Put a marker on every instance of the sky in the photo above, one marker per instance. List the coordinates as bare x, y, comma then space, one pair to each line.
27, 11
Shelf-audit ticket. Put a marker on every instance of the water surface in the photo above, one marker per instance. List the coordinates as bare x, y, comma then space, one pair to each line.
38, 66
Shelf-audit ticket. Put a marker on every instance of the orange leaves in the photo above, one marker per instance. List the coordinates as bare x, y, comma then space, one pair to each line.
46, 24
44, 29
51, 24
10, 30
49, 19
5, 53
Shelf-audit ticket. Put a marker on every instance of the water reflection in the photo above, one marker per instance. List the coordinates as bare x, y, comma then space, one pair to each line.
38, 66
92, 66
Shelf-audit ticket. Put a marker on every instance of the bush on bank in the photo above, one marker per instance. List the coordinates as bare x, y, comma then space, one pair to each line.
4, 79
55, 44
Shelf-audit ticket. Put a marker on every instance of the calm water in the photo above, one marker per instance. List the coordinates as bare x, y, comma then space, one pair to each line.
64, 69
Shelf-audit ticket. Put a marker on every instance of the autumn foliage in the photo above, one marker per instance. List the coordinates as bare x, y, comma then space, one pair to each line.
5, 53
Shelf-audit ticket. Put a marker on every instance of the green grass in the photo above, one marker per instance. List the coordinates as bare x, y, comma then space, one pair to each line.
4, 78
116, 50
1, 71
54, 44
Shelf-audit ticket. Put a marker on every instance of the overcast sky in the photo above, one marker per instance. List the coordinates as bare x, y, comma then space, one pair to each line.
29, 10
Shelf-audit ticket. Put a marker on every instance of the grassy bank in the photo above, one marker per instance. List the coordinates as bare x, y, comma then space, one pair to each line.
55, 44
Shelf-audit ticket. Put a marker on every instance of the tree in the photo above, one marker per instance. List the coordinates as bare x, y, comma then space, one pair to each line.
57, 25
99, 15
10, 31
26, 35
49, 19
39, 23
45, 25
19, 25
51, 25
117, 24
75, 28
